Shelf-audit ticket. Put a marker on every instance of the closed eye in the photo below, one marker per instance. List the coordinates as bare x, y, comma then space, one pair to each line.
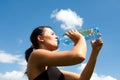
53, 33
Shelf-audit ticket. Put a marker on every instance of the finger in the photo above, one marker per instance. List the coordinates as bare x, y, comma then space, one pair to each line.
92, 41
100, 39
99, 42
75, 30
72, 31
66, 33
69, 33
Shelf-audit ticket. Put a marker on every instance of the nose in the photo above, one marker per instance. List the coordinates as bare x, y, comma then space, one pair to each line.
58, 41
56, 36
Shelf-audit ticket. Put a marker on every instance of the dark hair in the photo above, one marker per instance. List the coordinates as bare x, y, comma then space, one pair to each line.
33, 38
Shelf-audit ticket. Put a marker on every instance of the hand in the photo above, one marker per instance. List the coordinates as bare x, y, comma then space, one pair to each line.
74, 35
97, 44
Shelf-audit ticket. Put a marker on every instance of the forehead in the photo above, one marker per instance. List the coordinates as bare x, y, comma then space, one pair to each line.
48, 30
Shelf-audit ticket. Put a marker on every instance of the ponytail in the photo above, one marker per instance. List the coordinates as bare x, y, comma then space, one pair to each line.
28, 52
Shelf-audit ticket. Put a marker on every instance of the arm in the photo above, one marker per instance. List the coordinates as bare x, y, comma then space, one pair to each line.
76, 55
89, 68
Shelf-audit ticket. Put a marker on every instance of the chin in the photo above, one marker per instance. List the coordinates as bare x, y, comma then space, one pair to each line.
54, 48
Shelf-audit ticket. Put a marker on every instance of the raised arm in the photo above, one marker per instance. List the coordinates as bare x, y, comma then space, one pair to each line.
89, 68
76, 55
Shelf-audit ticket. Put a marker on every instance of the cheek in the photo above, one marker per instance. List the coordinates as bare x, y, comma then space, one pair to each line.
48, 40
51, 42
51, 45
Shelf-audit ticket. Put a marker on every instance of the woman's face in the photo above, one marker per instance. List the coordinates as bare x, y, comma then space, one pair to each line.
50, 39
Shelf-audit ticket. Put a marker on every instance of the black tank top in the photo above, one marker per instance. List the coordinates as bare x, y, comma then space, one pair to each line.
52, 73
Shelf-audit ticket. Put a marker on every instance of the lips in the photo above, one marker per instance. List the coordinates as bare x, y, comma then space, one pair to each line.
58, 41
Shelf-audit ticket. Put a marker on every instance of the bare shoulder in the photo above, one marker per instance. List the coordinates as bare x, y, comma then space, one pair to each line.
43, 57
37, 51
40, 52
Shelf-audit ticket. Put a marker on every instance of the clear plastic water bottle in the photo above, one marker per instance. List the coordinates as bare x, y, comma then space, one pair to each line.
89, 34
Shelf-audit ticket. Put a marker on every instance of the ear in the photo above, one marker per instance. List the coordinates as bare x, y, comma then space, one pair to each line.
40, 38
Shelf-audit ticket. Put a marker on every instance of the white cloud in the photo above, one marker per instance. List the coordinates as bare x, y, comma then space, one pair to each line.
19, 75
14, 75
82, 66
69, 18
95, 76
23, 64
8, 58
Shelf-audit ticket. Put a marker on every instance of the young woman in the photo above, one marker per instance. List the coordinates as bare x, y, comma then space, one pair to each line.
42, 58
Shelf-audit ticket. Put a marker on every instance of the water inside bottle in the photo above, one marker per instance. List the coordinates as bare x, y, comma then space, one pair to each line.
89, 34
65, 40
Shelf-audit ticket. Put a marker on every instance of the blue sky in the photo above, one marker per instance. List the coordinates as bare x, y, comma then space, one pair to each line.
19, 17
